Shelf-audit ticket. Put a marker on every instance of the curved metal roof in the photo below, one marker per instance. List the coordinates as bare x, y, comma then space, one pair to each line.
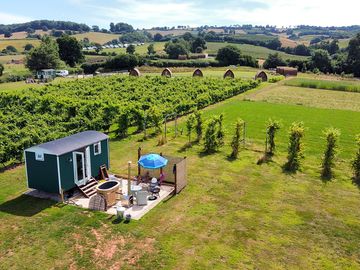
70, 143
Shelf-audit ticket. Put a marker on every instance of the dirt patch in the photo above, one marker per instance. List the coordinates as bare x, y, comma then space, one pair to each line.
111, 251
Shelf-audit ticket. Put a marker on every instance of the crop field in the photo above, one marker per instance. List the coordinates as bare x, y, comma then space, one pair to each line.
339, 85
233, 214
97, 37
94, 103
285, 42
19, 44
255, 51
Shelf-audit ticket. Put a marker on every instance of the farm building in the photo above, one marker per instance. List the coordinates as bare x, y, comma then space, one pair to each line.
166, 73
198, 73
46, 74
262, 76
229, 74
134, 72
66, 163
286, 71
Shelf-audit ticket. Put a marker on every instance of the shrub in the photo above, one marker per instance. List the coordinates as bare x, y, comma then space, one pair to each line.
155, 116
272, 127
220, 132
91, 68
235, 143
332, 136
123, 125
210, 140
274, 60
123, 61
276, 79
214, 134
198, 125
355, 164
1, 69
295, 148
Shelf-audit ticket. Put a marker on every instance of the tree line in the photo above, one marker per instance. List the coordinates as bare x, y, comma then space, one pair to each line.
214, 138
321, 60
44, 25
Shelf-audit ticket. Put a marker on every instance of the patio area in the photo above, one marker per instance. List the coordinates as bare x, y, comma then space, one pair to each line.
136, 211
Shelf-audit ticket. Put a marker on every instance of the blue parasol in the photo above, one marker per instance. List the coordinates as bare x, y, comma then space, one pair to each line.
152, 161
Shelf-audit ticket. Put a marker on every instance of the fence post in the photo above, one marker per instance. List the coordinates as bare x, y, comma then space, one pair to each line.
139, 155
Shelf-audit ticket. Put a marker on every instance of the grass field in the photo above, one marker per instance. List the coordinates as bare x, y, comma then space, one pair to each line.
23, 35
141, 49
343, 43
339, 85
308, 97
255, 51
19, 44
232, 214
6, 58
97, 37
174, 32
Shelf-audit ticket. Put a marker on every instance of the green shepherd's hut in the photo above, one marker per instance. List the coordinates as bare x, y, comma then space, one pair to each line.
66, 163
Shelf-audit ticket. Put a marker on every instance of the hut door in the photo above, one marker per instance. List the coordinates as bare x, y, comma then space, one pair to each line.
79, 168
87, 164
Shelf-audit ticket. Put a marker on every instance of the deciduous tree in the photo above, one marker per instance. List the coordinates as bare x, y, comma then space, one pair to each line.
45, 56
70, 50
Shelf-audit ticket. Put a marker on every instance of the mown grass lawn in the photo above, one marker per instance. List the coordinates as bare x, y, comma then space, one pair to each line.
232, 214
319, 98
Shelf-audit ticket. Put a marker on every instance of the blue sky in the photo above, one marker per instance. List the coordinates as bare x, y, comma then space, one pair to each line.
145, 14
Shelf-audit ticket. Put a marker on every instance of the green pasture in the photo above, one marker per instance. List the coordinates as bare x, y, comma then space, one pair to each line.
252, 50
231, 215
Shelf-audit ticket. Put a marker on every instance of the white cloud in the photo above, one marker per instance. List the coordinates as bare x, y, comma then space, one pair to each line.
7, 18
143, 13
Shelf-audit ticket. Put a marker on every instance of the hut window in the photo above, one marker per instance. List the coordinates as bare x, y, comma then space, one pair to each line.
97, 148
39, 156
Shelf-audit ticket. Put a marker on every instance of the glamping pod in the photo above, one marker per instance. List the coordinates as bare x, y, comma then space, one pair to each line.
262, 76
166, 73
66, 163
286, 71
198, 73
135, 72
229, 74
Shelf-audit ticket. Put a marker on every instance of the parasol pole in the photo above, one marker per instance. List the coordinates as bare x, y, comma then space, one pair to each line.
129, 178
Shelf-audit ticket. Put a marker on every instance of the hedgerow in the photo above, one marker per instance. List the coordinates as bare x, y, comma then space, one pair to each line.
34, 116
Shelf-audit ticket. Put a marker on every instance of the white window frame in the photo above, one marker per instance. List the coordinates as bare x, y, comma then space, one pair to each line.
39, 156
98, 144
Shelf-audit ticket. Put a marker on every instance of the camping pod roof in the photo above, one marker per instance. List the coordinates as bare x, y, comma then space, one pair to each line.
70, 143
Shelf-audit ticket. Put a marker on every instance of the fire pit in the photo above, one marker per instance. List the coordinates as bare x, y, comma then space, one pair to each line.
109, 190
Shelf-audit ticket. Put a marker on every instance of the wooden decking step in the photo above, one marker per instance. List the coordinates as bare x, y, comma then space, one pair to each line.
89, 189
